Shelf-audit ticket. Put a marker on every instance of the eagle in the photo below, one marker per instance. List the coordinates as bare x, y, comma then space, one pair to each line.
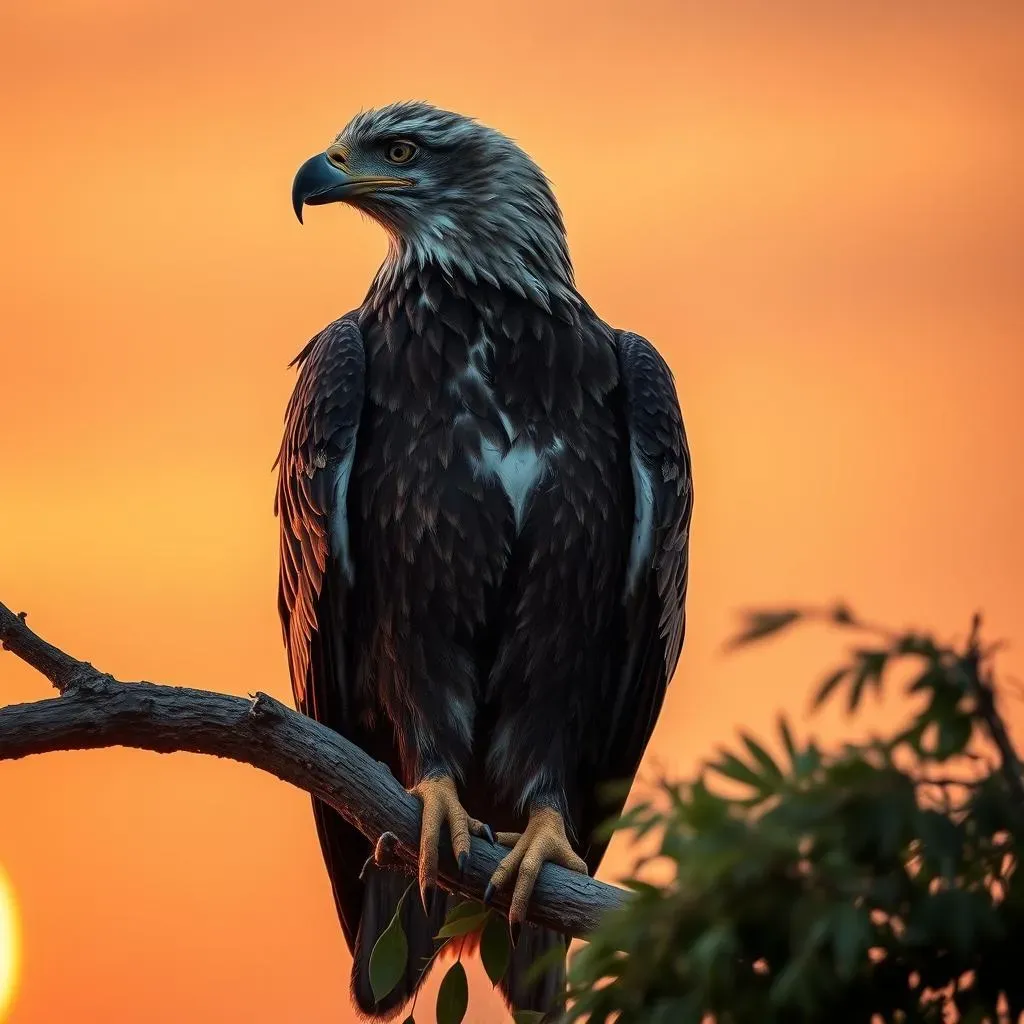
484, 498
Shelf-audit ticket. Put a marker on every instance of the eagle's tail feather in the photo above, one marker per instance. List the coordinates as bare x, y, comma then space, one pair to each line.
520, 987
381, 894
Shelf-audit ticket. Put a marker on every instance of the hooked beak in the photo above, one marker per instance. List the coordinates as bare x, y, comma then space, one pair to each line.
321, 180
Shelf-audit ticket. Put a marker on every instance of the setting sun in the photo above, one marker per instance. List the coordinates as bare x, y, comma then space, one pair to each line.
8, 945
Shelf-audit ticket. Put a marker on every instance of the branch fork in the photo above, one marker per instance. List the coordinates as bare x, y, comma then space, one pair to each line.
96, 710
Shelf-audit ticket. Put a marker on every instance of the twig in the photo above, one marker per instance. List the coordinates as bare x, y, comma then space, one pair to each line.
95, 710
983, 691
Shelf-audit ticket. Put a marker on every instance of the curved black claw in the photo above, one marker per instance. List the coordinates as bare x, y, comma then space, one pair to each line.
463, 861
489, 835
488, 893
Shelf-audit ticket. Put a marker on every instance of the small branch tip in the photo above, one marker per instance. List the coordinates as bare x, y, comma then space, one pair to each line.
262, 705
384, 851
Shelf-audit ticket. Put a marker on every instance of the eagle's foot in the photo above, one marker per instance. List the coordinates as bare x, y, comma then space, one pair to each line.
544, 840
440, 800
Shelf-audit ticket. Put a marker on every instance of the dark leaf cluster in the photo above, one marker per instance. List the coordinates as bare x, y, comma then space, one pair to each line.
874, 882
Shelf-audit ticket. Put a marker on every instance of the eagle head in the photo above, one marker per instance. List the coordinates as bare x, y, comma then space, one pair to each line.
449, 191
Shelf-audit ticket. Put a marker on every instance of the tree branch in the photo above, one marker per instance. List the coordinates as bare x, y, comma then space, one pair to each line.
96, 710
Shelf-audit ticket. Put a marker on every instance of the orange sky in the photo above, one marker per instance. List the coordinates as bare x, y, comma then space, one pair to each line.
816, 214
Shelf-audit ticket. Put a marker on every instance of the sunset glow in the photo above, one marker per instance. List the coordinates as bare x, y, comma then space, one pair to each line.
10, 948
814, 210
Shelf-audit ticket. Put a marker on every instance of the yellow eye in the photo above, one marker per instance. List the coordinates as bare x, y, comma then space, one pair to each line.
399, 152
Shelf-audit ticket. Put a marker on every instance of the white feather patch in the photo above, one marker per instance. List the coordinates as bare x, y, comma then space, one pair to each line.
339, 517
518, 471
642, 542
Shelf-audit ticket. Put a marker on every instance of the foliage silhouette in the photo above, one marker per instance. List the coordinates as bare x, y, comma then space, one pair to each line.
876, 882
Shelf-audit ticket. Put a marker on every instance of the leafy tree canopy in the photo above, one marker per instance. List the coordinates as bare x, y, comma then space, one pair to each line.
876, 882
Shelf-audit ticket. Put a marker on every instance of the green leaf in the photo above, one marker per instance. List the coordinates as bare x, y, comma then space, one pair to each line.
808, 760
850, 939
495, 948
791, 986
762, 756
714, 952
453, 995
916, 643
956, 915
761, 624
932, 678
787, 740
528, 1017
654, 892
733, 768
829, 685
942, 842
467, 908
409, 1020
389, 956
870, 666
463, 925
954, 735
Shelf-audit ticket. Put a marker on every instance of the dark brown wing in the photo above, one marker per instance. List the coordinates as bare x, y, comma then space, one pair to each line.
316, 575
656, 578
321, 423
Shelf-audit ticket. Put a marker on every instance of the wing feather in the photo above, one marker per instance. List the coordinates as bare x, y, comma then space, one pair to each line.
655, 591
321, 423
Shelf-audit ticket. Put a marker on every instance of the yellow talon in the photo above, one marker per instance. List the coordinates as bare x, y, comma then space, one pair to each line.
544, 840
440, 799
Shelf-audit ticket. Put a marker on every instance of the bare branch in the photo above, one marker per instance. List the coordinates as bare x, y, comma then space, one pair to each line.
96, 710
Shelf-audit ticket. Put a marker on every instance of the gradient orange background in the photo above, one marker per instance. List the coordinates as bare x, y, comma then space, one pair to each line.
816, 211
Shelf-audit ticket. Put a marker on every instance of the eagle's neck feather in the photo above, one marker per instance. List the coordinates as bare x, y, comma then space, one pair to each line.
516, 244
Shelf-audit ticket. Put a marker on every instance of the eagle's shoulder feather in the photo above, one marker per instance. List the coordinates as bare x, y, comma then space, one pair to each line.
321, 423
654, 592
661, 459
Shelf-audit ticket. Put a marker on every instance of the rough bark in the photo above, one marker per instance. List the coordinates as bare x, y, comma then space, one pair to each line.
96, 710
